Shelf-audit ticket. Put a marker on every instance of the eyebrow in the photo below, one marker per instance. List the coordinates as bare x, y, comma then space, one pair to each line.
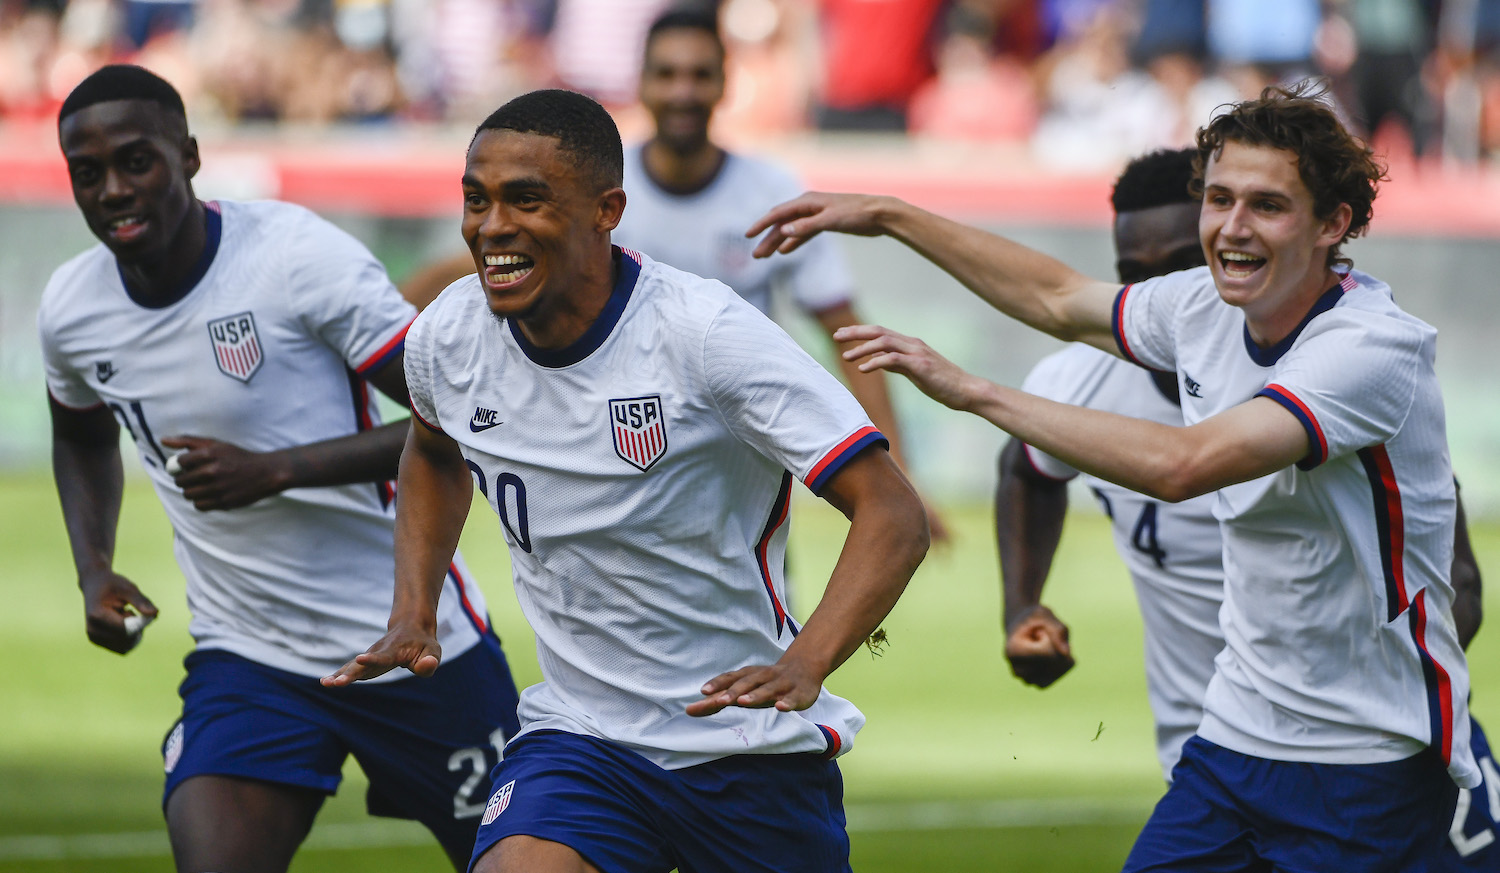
510, 186
1262, 193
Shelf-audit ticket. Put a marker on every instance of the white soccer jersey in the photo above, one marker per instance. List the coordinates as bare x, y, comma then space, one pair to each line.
1339, 639
264, 353
704, 233
642, 479
1172, 550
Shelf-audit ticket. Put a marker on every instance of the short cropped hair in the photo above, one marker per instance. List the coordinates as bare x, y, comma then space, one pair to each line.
703, 21
584, 131
1159, 178
1335, 165
123, 82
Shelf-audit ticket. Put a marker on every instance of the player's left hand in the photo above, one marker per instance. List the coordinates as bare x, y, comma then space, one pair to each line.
220, 475
787, 685
884, 349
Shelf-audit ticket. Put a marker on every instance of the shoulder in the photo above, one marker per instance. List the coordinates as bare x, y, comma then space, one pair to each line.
1367, 315
1075, 360
278, 223
682, 295
74, 287
443, 319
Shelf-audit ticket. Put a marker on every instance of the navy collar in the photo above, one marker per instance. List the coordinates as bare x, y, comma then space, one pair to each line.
1265, 357
213, 224
627, 271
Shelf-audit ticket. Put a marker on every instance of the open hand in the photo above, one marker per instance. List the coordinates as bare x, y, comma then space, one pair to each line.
220, 475
884, 349
796, 221
405, 645
786, 685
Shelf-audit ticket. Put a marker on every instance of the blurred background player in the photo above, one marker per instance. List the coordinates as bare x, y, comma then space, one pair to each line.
1173, 550
691, 200
637, 430
1310, 403
234, 341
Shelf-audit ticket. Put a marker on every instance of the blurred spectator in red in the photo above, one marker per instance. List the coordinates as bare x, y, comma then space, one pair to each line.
976, 95
876, 53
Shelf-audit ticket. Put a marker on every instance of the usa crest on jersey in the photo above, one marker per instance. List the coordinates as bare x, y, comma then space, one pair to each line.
498, 802
639, 430
236, 346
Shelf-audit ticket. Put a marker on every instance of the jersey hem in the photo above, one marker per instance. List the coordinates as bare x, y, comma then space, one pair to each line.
278, 661
385, 353
841, 454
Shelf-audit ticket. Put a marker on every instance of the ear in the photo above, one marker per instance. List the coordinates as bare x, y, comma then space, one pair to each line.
1331, 230
611, 207
191, 162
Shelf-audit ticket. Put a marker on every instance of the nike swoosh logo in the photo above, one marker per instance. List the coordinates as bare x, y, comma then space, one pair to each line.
106, 376
477, 427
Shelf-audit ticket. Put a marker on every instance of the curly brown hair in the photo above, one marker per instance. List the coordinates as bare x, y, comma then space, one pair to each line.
1335, 165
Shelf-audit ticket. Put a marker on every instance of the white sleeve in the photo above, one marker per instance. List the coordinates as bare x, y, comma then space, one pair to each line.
343, 295
1351, 380
418, 363
64, 382
1145, 319
778, 400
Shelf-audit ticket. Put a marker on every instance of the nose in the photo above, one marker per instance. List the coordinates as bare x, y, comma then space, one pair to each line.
1236, 224
115, 188
499, 222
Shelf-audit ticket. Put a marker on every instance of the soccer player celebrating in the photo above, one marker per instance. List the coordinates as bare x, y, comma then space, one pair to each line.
637, 428
1173, 550
233, 342
1311, 406
690, 201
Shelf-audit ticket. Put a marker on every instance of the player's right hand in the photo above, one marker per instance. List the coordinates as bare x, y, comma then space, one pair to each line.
796, 221
108, 599
404, 645
881, 348
1037, 648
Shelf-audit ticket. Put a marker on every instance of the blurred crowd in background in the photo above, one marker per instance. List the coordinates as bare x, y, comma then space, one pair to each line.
1079, 83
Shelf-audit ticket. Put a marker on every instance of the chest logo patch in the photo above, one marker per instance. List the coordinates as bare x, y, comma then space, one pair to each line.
640, 432
237, 348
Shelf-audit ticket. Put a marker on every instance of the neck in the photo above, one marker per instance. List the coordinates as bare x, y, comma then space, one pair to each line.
161, 278
561, 325
676, 170
1277, 323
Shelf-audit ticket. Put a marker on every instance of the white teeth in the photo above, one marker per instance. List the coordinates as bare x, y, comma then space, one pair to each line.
121, 222
504, 260
509, 277
1238, 256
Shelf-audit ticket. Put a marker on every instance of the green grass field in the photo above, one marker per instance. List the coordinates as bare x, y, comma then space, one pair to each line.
961, 768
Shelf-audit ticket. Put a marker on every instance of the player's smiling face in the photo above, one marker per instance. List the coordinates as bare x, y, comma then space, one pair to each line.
535, 226
131, 163
1267, 249
681, 83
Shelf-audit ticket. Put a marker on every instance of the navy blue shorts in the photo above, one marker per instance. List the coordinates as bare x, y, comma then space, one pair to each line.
624, 814
1472, 842
427, 745
1231, 812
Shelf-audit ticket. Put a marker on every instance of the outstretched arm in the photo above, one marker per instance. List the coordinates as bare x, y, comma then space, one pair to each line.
1025, 284
887, 540
871, 392
90, 485
1254, 439
220, 475
1029, 512
435, 493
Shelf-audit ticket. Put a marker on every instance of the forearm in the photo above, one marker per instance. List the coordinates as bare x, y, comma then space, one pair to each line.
368, 456
886, 542
1025, 284
435, 494
90, 482
1029, 518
